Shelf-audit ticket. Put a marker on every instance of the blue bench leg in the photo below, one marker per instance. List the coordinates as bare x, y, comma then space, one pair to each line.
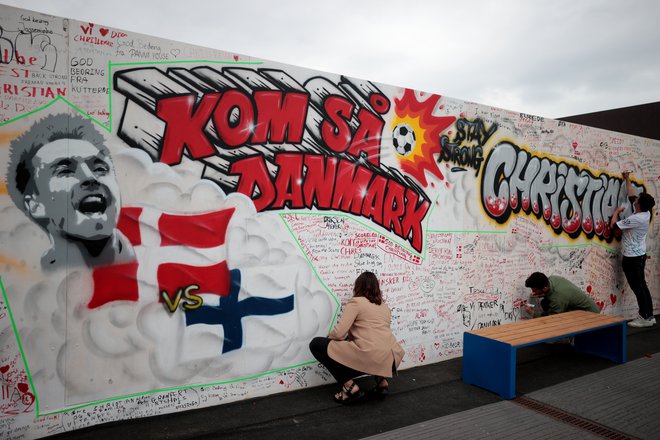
489, 364
607, 342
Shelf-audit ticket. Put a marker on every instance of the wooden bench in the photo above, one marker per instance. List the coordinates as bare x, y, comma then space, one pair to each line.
489, 354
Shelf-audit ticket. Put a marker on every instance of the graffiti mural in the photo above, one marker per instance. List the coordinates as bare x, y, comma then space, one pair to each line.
570, 200
179, 222
307, 146
466, 148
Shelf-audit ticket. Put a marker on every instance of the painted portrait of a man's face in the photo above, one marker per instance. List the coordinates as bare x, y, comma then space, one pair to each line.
61, 175
75, 190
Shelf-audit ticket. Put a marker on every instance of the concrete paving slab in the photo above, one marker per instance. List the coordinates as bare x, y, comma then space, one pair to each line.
625, 397
618, 402
502, 420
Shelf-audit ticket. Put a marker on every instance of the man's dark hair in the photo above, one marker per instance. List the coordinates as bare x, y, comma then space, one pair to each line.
646, 202
367, 285
20, 174
537, 280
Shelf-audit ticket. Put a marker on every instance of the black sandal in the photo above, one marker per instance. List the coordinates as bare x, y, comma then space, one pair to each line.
378, 390
350, 396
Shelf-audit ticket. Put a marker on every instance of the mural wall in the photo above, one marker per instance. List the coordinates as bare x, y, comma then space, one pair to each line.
179, 222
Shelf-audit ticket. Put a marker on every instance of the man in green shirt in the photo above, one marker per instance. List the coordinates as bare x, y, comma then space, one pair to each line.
559, 295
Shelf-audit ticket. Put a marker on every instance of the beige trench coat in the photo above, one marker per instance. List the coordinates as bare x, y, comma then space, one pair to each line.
371, 347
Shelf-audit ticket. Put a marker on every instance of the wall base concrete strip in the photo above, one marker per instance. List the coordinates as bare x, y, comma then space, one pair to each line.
625, 397
502, 420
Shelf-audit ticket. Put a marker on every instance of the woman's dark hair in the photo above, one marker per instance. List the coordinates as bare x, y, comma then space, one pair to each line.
367, 285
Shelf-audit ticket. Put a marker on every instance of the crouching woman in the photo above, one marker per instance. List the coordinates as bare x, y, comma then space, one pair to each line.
361, 343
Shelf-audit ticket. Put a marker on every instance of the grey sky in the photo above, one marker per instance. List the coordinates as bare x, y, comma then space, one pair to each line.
551, 58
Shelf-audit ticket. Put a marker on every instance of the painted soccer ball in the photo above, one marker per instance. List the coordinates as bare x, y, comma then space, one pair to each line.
403, 139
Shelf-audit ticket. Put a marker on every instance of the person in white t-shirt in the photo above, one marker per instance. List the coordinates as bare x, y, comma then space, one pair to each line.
633, 248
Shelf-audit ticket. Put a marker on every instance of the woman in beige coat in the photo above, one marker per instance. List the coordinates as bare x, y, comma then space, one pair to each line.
361, 342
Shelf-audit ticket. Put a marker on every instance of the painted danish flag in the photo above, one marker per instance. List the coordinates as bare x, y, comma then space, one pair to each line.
162, 243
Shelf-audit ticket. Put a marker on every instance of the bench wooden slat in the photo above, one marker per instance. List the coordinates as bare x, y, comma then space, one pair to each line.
546, 330
534, 330
526, 339
556, 321
562, 317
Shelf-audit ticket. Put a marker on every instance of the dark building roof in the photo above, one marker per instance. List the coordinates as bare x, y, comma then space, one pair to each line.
639, 120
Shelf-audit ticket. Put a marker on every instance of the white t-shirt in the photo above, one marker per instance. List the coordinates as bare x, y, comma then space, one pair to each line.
634, 228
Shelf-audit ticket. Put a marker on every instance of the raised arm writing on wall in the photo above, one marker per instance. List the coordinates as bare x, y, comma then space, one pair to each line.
633, 248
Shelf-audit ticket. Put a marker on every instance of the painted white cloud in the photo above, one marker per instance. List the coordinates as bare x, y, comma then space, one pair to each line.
77, 355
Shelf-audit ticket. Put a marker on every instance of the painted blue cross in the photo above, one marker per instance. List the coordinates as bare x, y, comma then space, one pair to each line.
230, 312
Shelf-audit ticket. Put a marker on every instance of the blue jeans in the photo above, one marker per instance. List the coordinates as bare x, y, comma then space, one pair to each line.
633, 268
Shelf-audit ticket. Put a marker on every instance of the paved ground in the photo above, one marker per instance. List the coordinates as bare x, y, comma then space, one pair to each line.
502, 420
557, 389
619, 402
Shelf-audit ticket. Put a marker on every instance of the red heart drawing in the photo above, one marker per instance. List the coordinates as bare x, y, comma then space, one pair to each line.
22, 387
281, 382
103, 31
235, 57
613, 298
4, 369
589, 289
601, 304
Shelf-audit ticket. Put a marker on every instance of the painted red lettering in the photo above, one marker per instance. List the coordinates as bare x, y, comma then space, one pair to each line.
234, 118
337, 134
185, 126
254, 176
373, 201
319, 180
288, 181
280, 117
412, 220
367, 137
350, 187
394, 207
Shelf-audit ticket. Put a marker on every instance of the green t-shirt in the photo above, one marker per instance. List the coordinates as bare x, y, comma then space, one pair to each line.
565, 296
